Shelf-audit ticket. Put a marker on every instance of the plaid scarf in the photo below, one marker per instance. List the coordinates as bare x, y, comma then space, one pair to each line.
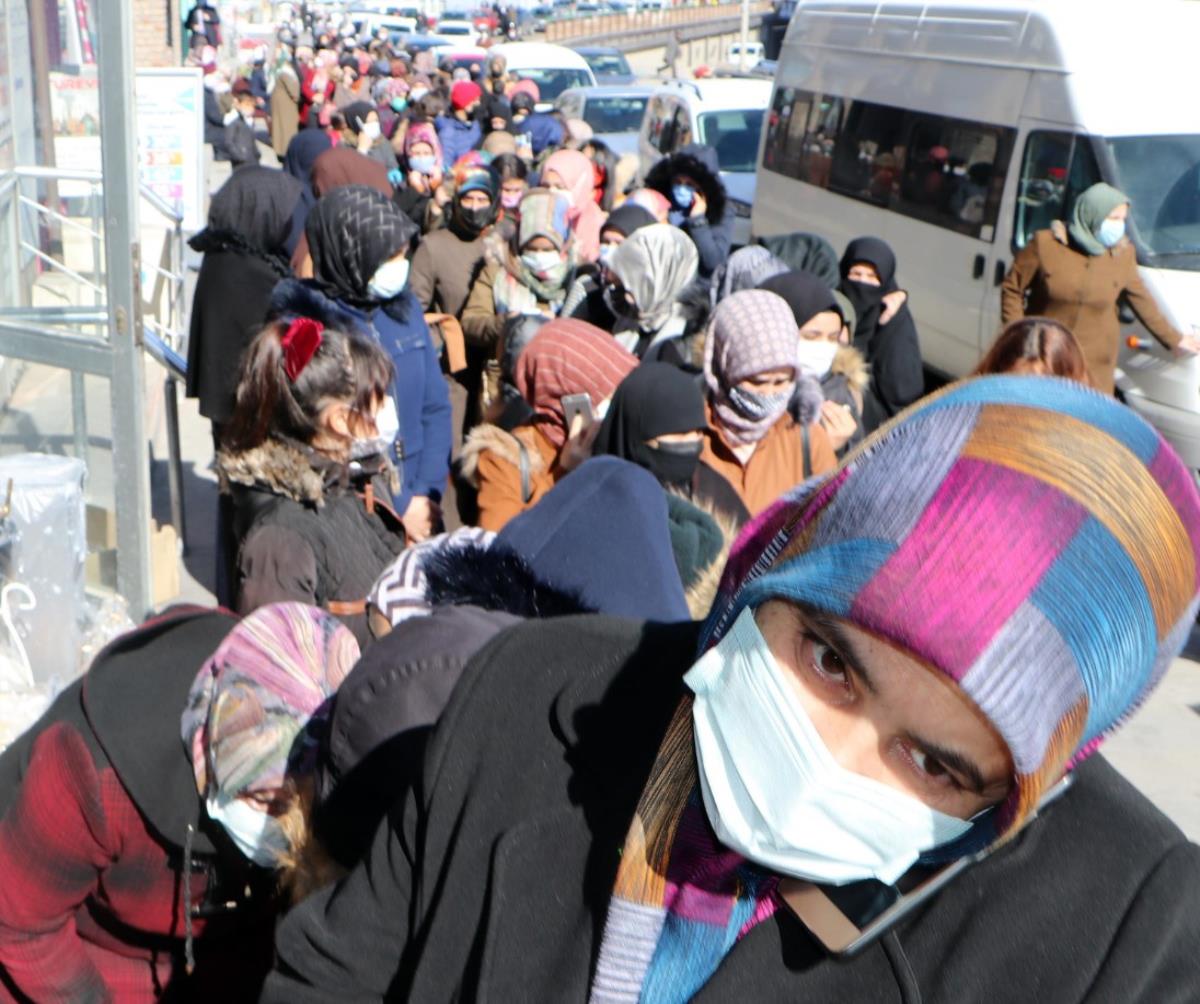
681, 900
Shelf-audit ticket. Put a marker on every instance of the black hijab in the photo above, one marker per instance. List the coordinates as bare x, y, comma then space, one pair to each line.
302, 152
351, 232
803, 252
867, 300
656, 398
627, 218
805, 294
252, 214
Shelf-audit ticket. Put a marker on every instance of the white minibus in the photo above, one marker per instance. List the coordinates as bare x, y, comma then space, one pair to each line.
954, 131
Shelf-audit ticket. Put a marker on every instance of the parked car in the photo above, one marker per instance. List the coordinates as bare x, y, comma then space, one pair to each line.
725, 113
460, 56
420, 43
959, 105
608, 64
754, 53
614, 113
457, 28
553, 68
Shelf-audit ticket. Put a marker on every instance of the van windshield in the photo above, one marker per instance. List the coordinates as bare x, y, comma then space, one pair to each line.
551, 83
1161, 176
734, 135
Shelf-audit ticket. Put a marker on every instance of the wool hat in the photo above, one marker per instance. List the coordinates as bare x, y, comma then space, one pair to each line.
474, 173
463, 94
1030, 539
254, 697
524, 86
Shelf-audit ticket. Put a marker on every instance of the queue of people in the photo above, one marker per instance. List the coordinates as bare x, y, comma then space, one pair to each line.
466, 396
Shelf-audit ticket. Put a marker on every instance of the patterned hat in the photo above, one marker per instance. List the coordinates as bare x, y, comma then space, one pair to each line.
1033, 540
252, 699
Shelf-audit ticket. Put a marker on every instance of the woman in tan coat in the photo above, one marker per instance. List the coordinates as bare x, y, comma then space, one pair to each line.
1076, 274
285, 108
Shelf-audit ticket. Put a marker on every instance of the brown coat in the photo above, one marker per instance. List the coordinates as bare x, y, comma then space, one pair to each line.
1081, 291
775, 466
491, 462
285, 111
443, 268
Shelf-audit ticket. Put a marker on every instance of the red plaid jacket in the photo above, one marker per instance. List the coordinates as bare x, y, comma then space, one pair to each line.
91, 904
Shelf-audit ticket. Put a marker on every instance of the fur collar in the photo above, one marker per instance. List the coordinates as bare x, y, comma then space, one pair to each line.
504, 444
281, 468
851, 364
494, 578
702, 593
296, 298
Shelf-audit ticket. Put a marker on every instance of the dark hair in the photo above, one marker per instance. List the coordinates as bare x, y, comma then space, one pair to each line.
603, 156
1036, 345
522, 102
430, 107
509, 166
346, 367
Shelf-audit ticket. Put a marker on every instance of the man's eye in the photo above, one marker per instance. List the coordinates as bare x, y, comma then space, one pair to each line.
828, 663
928, 764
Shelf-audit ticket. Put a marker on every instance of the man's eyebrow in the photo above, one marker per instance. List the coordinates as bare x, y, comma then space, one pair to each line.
831, 631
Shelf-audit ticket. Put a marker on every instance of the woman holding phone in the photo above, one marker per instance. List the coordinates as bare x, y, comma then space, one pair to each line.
569, 365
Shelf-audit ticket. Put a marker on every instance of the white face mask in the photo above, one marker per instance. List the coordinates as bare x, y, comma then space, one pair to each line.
815, 356
257, 835
774, 792
371, 130
387, 425
546, 265
389, 279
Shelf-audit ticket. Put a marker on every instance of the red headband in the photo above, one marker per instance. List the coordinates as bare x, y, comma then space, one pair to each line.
300, 343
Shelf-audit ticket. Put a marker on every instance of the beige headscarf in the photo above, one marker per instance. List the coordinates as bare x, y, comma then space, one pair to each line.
655, 263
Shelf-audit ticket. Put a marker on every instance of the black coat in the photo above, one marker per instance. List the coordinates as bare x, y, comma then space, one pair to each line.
712, 232
493, 878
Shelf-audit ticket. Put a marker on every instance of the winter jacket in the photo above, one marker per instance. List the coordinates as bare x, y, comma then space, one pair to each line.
544, 130
457, 137
712, 232
778, 463
98, 812
444, 266
482, 326
491, 463
1081, 291
285, 110
214, 124
493, 878
847, 383
306, 531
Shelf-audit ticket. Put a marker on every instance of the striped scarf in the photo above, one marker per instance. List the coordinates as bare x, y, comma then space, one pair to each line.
681, 900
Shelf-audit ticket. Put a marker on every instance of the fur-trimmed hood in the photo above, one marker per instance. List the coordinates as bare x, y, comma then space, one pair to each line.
807, 399
696, 161
851, 364
504, 444
280, 468
303, 298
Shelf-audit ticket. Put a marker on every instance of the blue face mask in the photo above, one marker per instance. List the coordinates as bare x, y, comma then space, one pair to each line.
683, 196
1111, 232
423, 165
399, 104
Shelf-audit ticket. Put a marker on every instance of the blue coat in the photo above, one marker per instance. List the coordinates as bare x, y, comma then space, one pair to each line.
422, 400
457, 137
544, 131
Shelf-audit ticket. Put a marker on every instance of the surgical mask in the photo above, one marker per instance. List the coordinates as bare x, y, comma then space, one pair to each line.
775, 793
1111, 232
371, 130
815, 356
387, 431
389, 279
399, 104
683, 196
257, 835
546, 265
759, 407
417, 93
606, 253
511, 200
423, 165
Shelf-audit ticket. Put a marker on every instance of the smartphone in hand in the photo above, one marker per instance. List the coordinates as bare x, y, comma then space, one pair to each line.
577, 405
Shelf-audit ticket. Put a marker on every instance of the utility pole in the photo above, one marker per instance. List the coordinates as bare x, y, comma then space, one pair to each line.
745, 34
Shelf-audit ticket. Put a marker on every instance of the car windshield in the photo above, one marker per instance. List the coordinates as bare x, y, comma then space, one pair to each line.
1161, 176
734, 135
609, 64
614, 114
551, 83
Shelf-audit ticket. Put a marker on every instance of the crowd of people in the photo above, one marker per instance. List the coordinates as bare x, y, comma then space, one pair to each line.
471, 385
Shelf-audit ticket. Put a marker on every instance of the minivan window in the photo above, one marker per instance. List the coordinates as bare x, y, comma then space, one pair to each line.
551, 83
734, 135
1055, 168
623, 114
946, 171
1161, 176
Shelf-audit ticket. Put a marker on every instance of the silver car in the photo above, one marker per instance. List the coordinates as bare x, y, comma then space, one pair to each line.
614, 113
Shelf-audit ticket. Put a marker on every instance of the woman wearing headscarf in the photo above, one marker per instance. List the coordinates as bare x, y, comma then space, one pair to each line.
822, 355
747, 268
134, 861
360, 243
649, 272
886, 337
424, 172
335, 168
902, 662
244, 257
751, 373
656, 420
585, 299
511, 471
569, 171
529, 273
1077, 273
301, 156
364, 134
448, 261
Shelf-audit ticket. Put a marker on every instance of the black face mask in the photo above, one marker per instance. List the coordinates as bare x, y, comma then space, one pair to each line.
674, 463
474, 220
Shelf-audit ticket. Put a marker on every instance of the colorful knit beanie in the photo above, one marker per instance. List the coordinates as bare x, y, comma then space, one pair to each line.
254, 697
473, 172
545, 214
1033, 540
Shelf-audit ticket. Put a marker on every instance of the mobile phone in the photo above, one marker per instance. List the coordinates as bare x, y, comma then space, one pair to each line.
577, 404
845, 919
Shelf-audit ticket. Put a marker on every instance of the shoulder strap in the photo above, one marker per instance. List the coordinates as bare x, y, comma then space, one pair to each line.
523, 463
804, 436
